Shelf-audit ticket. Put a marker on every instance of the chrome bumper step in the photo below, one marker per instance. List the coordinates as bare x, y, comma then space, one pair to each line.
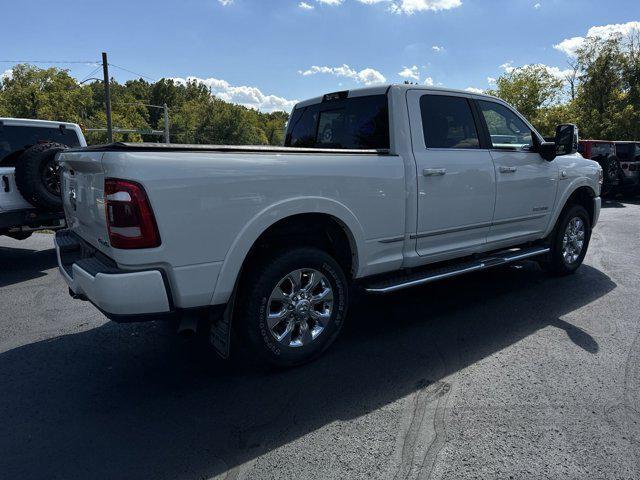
399, 282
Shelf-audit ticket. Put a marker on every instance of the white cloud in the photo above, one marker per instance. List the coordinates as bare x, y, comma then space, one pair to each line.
7, 74
367, 76
491, 80
224, 3
474, 90
305, 6
250, 97
555, 71
410, 72
410, 7
569, 46
437, 48
537, 6
429, 82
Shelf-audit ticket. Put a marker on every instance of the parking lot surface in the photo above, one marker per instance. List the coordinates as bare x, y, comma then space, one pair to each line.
504, 374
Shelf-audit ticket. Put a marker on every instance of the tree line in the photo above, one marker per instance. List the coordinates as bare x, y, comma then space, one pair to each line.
601, 94
196, 116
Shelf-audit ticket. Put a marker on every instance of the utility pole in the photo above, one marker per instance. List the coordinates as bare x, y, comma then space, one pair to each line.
166, 123
107, 96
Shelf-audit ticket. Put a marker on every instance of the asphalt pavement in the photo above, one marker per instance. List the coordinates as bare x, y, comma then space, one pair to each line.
503, 374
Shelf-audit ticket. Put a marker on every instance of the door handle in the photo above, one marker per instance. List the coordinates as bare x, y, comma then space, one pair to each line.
508, 169
434, 172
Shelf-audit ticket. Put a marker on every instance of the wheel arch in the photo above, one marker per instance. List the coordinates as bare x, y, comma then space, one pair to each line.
582, 193
283, 217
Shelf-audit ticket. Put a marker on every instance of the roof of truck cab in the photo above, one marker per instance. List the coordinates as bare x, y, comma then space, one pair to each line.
384, 88
30, 122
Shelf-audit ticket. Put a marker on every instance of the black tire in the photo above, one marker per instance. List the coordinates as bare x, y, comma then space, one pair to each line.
37, 176
557, 263
611, 172
258, 284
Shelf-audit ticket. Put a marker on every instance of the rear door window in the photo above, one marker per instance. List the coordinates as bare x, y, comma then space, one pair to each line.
349, 123
447, 122
14, 139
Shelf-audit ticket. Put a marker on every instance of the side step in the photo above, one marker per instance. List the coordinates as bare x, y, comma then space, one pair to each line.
400, 282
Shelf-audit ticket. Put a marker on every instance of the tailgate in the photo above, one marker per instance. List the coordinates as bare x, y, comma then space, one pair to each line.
82, 188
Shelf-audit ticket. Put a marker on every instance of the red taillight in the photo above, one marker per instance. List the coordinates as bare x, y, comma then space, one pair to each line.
130, 220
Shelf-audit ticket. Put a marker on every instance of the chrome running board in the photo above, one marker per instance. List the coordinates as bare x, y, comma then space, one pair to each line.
400, 282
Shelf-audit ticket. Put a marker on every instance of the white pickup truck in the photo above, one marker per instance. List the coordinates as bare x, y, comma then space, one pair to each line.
384, 188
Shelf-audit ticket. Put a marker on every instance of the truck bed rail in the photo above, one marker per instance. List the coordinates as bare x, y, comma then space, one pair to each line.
267, 149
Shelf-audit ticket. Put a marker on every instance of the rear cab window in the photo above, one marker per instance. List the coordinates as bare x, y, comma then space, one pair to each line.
14, 139
344, 123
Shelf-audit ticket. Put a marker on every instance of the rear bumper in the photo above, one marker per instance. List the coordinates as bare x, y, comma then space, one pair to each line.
121, 295
30, 219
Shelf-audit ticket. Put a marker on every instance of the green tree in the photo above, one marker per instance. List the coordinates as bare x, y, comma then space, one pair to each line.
529, 89
48, 94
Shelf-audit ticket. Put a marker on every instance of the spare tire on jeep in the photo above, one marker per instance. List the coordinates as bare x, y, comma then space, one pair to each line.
38, 177
611, 173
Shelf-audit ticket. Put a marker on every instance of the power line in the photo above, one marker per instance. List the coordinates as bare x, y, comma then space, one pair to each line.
87, 62
134, 73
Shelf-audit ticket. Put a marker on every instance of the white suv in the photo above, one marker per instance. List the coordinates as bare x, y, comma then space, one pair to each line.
29, 181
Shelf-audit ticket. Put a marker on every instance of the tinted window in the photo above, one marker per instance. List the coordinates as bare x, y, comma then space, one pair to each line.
448, 122
601, 150
628, 152
361, 122
506, 129
15, 139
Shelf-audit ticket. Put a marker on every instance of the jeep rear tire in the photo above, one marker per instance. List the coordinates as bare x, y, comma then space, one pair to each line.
292, 306
37, 176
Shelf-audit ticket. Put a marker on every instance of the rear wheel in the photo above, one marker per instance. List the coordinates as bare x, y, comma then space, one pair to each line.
292, 307
569, 241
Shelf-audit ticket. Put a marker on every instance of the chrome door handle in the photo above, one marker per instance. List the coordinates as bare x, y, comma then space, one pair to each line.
508, 169
434, 172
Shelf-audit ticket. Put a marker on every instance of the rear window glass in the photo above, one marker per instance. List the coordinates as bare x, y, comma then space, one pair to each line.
351, 123
448, 122
628, 152
14, 139
601, 150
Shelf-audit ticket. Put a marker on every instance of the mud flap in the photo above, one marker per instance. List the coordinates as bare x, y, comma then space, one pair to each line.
220, 333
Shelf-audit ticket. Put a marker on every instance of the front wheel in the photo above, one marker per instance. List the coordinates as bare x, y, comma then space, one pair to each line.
292, 306
569, 241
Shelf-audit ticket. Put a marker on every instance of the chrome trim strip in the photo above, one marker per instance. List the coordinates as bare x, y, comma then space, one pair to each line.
519, 219
399, 238
450, 230
484, 264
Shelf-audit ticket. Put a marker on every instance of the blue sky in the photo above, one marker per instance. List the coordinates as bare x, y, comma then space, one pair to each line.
268, 53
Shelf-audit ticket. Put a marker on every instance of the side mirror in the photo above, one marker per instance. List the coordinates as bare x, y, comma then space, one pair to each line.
566, 139
547, 150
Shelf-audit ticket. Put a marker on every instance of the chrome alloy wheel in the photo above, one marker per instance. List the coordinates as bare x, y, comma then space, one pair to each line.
573, 240
300, 307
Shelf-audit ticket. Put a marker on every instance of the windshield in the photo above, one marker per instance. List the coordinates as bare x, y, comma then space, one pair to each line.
350, 123
14, 139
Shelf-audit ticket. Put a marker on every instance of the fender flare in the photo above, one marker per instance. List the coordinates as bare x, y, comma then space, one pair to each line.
562, 201
247, 237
